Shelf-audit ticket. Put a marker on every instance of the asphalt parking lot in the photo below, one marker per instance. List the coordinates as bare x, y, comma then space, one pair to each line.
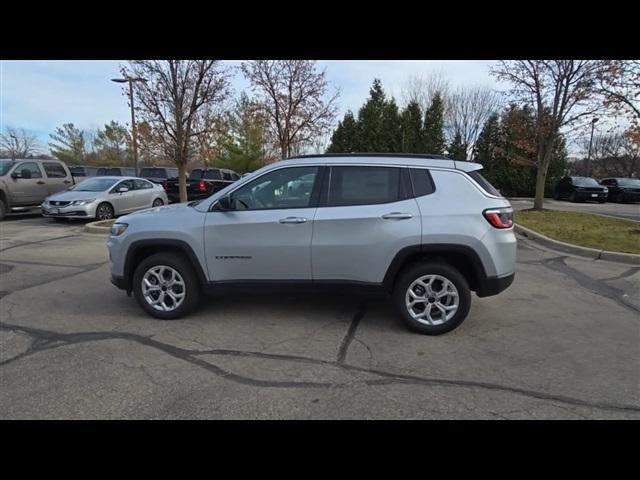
630, 211
562, 343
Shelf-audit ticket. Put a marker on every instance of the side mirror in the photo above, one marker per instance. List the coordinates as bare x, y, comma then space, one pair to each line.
224, 203
15, 175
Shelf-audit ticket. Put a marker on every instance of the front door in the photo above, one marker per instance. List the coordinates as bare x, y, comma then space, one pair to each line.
29, 188
267, 234
124, 202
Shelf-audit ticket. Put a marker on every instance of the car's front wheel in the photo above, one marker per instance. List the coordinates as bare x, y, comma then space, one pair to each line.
432, 298
165, 286
104, 211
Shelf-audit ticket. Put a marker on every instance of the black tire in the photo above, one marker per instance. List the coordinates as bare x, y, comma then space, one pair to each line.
572, 197
184, 268
556, 196
414, 272
3, 209
157, 202
104, 211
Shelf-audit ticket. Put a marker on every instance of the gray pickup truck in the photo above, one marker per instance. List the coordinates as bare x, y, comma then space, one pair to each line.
25, 183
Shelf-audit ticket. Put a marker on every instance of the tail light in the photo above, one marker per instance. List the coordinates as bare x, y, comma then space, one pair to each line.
165, 184
202, 187
499, 217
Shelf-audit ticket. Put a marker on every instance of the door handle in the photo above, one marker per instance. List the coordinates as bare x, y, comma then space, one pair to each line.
397, 216
67, 181
292, 220
40, 182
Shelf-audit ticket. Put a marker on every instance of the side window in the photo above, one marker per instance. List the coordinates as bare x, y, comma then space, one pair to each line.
54, 170
29, 170
125, 183
226, 176
196, 174
212, 174
363, 185
422, 182
142, 184
235, 176
283, 188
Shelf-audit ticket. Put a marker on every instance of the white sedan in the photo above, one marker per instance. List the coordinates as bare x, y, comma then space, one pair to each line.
104, 198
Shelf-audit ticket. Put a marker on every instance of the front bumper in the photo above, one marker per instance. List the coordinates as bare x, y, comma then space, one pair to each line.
69, 211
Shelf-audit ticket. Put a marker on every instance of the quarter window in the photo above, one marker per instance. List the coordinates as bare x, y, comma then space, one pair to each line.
283, 188
212, 175
422, 182
142, 184
54, 170
363, 186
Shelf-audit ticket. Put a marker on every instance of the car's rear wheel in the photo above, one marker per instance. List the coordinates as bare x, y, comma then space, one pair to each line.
104, 211
432, 298
166, 286
3, 209
158, 202
556, 196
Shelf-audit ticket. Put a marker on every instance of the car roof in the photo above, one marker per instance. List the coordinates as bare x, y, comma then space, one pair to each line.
408, 159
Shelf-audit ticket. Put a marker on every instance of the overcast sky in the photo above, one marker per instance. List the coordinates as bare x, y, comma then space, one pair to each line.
41, 95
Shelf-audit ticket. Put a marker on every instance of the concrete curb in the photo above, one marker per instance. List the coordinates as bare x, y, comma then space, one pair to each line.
103, 227
593, 253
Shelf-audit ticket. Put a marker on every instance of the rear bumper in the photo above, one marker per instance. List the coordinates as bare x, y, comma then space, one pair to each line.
494, 285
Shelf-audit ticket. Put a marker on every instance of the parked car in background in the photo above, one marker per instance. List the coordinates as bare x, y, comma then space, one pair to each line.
622, 190
202, 183
580, 189
24, 184
426, 231
116, 172
104, 198
82, 171
159, 174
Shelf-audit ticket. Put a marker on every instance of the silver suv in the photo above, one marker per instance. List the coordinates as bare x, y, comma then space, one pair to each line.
424, 229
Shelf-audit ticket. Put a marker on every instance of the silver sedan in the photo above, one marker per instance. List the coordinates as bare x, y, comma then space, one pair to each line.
104, 198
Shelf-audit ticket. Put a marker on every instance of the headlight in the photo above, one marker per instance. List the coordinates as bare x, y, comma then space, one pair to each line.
118, 229
83, 202
605, 190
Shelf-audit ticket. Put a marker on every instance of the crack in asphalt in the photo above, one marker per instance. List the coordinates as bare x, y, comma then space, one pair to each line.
38, 241
351, 333
47, 340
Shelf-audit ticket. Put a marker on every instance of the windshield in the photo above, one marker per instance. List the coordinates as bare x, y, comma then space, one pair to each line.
585, 182
629, 182
5, 165
95, 185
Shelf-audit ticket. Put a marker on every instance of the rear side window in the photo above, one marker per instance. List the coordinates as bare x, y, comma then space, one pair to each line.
196, 174
363, 186
226, 176
212, 175
54, 170
484, 183
422, 182
153, 172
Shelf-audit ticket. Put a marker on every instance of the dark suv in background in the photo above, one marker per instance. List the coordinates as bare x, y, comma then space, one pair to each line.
622, 190
158, 174
580, 189
202, 183
116, 172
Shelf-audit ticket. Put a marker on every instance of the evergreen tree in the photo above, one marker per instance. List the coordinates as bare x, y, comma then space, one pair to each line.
344, 138
112, 143
370, 121
411, 122
68, 144
434, 126
457, 149
391, 140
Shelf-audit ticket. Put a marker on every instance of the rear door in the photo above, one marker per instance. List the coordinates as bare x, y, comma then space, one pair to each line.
58, 178
268, 234
144, 193
365, 216
30, 187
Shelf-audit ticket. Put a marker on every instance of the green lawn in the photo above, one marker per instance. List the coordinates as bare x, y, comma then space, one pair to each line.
595, 231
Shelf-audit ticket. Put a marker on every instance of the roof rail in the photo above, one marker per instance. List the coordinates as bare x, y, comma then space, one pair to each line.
377, 154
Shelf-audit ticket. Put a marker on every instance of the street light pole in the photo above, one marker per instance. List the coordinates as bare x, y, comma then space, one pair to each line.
134, 138
593, 124
13, 150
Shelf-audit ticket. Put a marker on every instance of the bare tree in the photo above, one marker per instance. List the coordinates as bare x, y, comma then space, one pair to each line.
560, 92
421, 89
18, 143
619, 84
295, 100
468, 110
179, 103
612, 155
